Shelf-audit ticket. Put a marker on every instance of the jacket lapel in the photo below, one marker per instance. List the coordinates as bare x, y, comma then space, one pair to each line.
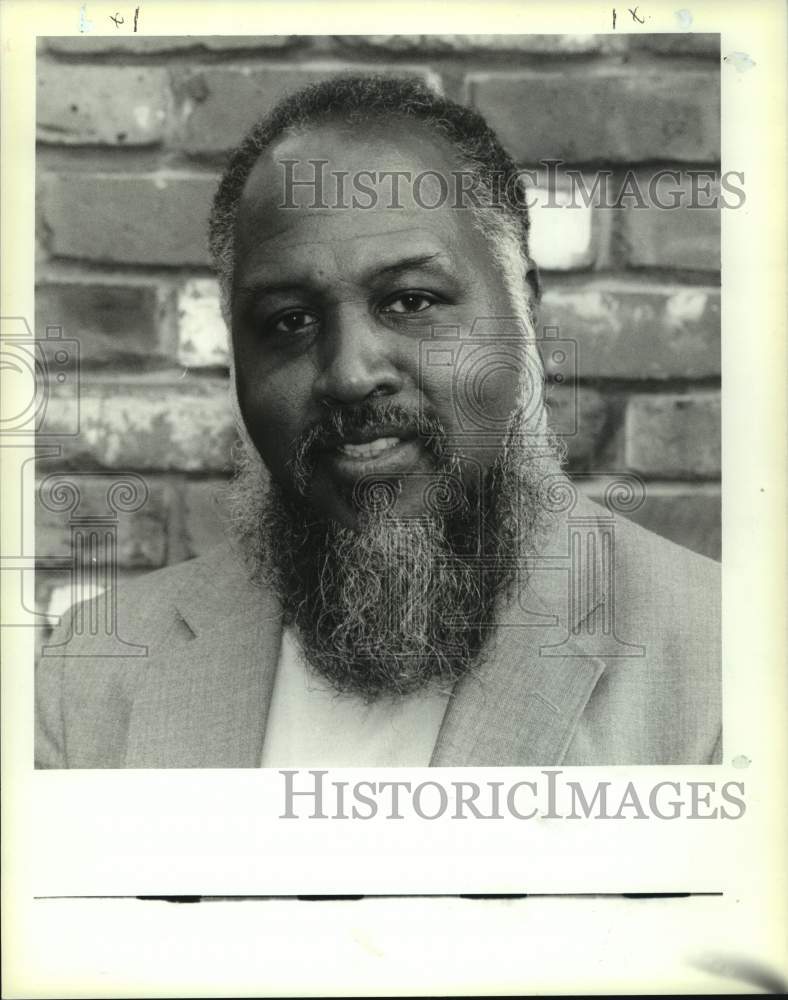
204, 699
523, 704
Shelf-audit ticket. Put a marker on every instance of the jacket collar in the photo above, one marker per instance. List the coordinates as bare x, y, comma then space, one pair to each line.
204, 702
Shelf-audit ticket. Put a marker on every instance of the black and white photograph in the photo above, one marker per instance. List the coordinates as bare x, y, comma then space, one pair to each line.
445, 311
374, 419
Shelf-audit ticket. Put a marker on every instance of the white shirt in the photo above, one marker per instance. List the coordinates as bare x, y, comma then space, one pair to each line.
310, 725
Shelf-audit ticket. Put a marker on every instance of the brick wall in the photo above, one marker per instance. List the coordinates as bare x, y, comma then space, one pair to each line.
132, 134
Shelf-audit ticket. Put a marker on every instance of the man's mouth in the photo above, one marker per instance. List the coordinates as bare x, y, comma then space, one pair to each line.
384, 450
368, 449
372, 441
392, 444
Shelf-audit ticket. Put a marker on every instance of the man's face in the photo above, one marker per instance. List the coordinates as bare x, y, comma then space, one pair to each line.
330, 307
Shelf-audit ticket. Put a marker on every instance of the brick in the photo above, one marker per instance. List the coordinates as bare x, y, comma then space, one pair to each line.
674, 436
561, 239
684, 237
56, 596
624, 116
478, 44
203, 522
142, 534
691, 519
101, 105
577, 414
146, 426
218, 104
202, 334
694, 43
153, 44
125, 218
637, 331
669, 43
49, 583
61, 598
687, 514
115, 323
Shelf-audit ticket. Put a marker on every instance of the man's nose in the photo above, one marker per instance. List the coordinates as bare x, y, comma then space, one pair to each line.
356, 361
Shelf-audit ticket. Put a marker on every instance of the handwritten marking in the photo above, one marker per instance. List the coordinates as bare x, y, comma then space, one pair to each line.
117, 18
635, 16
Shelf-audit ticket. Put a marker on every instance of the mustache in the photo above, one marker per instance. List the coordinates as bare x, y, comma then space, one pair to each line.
340, 424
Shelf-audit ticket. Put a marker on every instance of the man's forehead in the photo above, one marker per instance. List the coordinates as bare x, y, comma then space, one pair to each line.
352, 239
352, 150
363, 257
266, 227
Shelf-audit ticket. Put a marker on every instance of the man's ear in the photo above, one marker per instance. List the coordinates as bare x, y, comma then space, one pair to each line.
533, 281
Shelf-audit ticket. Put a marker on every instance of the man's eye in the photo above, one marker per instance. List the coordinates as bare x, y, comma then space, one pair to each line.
409, 302
292, 321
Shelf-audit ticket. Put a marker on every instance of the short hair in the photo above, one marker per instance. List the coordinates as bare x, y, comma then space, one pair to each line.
503, 219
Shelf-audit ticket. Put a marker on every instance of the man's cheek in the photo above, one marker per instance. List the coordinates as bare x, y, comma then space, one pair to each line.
474, 397
267, 432
269, 410
436, 393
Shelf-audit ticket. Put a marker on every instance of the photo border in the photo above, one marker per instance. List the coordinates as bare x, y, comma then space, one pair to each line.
749, 856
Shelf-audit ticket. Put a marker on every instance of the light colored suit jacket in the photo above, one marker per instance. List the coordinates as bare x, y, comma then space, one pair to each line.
609, 655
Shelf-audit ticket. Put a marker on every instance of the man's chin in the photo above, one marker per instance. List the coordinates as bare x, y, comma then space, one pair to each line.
383, 609
384, 500
352, 501
443, 492
383, 605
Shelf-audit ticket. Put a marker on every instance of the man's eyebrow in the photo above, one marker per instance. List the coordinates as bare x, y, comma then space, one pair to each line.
256, 289
408, 264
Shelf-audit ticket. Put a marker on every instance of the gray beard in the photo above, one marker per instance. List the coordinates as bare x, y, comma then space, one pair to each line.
396, 604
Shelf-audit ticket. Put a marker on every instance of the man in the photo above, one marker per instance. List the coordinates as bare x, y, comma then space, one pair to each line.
412, 580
